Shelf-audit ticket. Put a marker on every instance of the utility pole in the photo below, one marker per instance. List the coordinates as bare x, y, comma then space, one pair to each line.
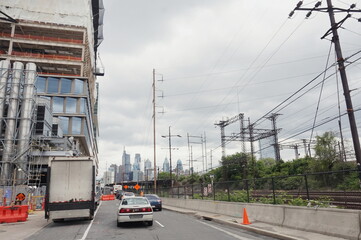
250, 126
191, 161
273, 117
202, 152
346, 90
305, 146
205, 150
154, 137
170, 153
241, 126
211, 159
201, 142
296, 151
189, 154
341, 65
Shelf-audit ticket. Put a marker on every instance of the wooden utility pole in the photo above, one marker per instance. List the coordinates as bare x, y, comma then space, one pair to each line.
346, 90
154, 138
341, 64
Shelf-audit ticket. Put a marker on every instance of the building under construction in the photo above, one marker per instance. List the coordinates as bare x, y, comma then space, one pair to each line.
48, 87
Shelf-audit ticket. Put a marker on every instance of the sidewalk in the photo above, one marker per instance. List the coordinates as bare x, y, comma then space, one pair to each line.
257, 227
22, 230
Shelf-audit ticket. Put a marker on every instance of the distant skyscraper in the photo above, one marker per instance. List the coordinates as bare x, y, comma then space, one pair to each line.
108, 177
179, 165
148, 170
114, 168
166, 165
120, 172
126, 166
136, 168
137, 161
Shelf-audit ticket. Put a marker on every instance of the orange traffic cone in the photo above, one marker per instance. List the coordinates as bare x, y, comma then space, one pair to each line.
245, 217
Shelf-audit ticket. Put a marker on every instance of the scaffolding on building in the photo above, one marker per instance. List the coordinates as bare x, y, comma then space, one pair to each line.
17, 119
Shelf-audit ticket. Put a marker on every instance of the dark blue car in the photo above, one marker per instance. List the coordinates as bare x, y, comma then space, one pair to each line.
155, 201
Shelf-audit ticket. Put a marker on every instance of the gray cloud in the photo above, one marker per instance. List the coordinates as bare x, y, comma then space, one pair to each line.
216, 58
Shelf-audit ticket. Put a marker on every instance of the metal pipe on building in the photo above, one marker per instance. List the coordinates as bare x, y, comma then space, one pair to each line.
4, 74
26, 116
10, 132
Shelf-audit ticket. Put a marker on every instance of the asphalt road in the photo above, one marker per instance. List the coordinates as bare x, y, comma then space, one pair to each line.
167, 225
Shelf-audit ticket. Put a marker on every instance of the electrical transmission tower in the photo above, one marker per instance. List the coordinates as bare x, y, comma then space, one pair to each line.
249, 134
222, 124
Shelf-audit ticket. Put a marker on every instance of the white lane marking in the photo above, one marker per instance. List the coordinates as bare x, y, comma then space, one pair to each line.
159, 224
226, 232
91, 223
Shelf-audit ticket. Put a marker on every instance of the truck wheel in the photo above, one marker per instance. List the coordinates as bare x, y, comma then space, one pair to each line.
150, 223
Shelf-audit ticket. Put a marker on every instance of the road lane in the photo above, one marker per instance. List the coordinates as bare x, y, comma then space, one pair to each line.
167, 225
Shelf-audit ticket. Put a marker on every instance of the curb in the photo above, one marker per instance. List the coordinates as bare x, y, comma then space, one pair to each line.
233, 224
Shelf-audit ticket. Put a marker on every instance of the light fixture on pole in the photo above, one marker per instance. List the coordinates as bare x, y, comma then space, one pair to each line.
170, 153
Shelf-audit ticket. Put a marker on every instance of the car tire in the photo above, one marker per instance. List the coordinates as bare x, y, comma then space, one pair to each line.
160, 209
119, 224
150, 223
58, 220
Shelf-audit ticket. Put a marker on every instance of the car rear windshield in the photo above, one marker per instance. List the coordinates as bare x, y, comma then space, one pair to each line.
134, 201
152, 197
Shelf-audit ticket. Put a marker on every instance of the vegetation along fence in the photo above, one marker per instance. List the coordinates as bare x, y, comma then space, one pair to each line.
323, 189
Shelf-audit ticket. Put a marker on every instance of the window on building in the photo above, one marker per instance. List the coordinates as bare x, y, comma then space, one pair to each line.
64, 124
71, 105
53, 85
79, 86
82, 105
65, 85
58, 104
76, 125
40, 84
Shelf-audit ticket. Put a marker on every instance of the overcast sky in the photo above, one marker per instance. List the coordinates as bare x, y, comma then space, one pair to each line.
218, 58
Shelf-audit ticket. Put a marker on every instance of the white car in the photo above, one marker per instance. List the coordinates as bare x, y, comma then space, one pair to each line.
135, 209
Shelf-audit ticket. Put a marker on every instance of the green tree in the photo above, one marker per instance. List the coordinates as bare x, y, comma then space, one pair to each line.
325, 152
235, 167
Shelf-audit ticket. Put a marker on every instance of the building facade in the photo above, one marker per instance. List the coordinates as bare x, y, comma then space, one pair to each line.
61, 40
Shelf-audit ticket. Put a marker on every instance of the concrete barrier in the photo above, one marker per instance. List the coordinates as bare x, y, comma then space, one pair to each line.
329, 221
335, 222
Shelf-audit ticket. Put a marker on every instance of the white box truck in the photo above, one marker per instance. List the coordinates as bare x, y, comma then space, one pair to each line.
71, 191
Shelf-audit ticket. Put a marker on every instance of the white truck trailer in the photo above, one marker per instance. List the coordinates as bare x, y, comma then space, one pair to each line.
71, 191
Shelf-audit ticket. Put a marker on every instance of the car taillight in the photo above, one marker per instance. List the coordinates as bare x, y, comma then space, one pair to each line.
125, 210
135, 210
147, 209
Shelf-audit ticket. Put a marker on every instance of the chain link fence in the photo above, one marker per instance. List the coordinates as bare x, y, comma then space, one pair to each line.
325, 189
